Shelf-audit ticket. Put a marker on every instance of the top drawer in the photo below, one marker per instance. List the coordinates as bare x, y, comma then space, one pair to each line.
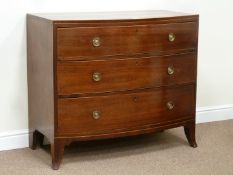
87, 43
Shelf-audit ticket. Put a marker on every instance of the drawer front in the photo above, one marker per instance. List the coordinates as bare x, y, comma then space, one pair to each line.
104, 114
124, 74
90, 42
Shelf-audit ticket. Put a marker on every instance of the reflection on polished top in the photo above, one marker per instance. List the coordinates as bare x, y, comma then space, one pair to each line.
117, 15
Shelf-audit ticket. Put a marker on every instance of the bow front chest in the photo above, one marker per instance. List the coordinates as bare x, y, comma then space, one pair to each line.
106, 75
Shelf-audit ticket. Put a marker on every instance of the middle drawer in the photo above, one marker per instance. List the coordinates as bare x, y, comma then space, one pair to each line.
78, 77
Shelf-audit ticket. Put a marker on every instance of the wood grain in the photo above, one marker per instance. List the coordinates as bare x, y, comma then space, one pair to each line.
76, 43
125, 74
123, 111
40, 76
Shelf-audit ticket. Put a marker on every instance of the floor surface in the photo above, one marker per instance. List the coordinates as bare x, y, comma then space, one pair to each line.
166, 153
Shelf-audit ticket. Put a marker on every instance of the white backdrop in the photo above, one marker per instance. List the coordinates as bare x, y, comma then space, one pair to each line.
215, 65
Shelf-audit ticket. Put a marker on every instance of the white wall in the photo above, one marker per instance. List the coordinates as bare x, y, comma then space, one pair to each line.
215, 76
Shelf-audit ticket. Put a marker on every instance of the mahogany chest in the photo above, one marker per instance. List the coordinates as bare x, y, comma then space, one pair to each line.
105, 75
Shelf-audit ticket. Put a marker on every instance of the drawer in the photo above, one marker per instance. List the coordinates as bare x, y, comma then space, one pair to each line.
77, 77
112, 113
81, 43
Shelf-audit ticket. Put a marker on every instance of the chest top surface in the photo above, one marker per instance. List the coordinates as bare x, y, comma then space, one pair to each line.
117, 15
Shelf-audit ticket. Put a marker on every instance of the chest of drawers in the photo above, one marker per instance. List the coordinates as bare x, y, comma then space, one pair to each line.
105, 75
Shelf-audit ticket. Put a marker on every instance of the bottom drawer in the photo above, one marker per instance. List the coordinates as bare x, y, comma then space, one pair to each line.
122, 112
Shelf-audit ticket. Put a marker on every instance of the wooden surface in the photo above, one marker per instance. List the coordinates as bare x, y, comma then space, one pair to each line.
133, 60
117, 15
123, 111
75, 78
76, 43
40, 76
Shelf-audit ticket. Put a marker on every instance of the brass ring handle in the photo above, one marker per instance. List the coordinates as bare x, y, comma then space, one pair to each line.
96, 76
170, 105
171, 37
96, 41
170, 70
96, 115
